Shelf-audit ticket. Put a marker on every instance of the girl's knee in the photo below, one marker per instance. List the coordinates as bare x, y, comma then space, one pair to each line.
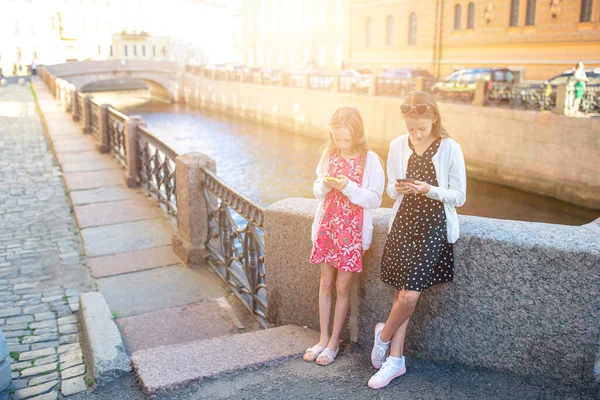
410, 297
343, 288
327, 282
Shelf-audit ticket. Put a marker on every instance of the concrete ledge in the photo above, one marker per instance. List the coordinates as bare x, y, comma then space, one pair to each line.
169, 367
524, 294
102, 343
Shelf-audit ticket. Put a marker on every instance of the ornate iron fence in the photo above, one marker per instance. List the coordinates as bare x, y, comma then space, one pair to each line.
80, 109
116, 134
235, 243
157, 170
95, 124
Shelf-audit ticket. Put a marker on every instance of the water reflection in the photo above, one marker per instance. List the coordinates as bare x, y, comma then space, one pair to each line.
267, 164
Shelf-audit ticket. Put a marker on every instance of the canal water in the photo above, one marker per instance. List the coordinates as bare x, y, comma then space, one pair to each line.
267, 164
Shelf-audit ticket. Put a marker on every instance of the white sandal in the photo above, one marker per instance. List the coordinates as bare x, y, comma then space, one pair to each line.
315, 352
329, 354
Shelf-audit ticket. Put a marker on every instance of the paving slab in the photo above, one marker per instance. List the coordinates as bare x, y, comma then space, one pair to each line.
194, 322
93, 179
116, 212
129, 236
91, 165
73, 145
168, 367
157, 289
133, 261
105, 194
82, 157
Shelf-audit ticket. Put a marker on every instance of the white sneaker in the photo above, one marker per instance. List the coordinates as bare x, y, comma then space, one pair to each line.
386, 374
380, 350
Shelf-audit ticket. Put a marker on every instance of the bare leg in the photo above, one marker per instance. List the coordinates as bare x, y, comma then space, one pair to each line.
325, 294
397, 344
342, 301
401, 312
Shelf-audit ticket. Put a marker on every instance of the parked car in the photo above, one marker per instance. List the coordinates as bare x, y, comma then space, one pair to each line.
545, 93
399, 81
352, 80
271, 76
461, 84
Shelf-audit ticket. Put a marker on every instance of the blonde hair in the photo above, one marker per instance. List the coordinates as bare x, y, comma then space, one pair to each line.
433, 113
349, 118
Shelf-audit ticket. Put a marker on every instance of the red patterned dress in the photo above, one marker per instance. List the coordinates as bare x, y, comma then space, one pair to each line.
339, 238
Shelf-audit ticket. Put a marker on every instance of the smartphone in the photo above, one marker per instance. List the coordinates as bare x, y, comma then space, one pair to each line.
331, 179
405, 180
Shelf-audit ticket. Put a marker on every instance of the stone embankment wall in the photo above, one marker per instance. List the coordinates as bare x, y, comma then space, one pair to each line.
525, 297
539, 152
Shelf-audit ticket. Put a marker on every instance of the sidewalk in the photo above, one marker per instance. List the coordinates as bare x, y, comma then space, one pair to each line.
42, 261
127, 240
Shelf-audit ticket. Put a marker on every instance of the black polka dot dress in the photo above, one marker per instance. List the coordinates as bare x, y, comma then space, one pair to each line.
417, 254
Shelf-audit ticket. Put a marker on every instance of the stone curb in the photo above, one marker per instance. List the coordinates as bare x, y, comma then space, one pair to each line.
103, 346
170, 367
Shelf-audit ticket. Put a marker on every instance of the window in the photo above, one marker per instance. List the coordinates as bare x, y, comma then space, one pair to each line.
99, 50
338, 56
163, 51
125, 50
307, 54
135, 50
471, 16
457, 16
144, 50
368, 32
111, 51
18, 54
34, 54
389, 31
530, 16
323, 15
281, 57
586, 11
154, 50
514, 13
322, 58
412, 29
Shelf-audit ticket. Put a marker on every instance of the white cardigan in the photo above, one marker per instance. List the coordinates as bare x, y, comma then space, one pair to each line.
449, 166
367, 195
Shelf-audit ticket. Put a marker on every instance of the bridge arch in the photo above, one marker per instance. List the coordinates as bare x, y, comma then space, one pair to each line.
162, 78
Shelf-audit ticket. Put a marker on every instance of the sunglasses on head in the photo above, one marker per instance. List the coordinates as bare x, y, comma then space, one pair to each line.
420, 109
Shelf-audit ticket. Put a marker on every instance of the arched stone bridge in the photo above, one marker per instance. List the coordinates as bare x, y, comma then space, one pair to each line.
162, 78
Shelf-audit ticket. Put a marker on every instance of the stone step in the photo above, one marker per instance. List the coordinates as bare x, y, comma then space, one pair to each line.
169, 367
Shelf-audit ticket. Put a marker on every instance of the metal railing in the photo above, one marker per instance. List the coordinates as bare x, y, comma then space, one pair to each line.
95, 123
157, 170
235, 243
116, 134
80, 109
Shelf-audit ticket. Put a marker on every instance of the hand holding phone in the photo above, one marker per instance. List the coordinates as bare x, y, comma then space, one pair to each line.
331, 179
405, 180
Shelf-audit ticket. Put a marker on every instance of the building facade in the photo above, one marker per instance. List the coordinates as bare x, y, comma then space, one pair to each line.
538, 38
295, 33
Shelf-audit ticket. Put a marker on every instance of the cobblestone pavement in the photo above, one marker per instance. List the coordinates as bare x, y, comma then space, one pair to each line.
42, 263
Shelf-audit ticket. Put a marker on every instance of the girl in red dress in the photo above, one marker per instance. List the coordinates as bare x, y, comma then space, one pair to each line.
349, 185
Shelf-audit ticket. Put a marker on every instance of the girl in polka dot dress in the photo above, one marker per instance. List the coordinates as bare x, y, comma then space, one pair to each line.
426, 177
349, 185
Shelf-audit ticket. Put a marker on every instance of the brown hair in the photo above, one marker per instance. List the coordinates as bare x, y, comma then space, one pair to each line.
346, 117
433, 114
